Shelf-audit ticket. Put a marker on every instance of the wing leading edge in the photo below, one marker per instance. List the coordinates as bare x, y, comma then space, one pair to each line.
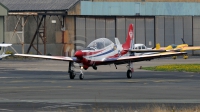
122, 60
61, 58
191, 48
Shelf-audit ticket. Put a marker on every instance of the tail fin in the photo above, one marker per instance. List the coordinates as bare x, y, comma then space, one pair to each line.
129, 44
157, 46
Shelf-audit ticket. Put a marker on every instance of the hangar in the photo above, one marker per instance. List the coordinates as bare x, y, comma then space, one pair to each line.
59, 27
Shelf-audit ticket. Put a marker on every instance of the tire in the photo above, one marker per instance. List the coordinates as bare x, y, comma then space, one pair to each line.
129, 74
81, 76
71, 74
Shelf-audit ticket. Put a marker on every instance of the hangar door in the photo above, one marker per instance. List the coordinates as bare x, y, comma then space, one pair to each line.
90, 28
1, 29
144, 29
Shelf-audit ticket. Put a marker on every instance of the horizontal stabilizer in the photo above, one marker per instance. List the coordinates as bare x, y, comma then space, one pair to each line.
4, 55
117, 41
5, 45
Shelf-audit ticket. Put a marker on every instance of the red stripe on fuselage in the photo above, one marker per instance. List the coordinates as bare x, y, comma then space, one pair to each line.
91, 53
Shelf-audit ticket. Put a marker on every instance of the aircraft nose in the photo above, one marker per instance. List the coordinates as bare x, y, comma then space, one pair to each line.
79, 54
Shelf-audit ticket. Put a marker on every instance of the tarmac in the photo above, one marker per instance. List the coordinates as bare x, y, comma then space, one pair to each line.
44, 85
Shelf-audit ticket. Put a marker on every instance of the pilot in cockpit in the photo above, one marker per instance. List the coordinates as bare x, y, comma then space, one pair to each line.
100, 45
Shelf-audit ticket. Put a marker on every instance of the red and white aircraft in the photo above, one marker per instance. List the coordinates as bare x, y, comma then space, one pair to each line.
102, 51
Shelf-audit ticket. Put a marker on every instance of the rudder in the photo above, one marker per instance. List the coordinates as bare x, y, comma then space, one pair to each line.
129, 44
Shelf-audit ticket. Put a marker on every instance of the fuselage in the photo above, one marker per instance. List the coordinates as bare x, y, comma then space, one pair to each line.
93, 55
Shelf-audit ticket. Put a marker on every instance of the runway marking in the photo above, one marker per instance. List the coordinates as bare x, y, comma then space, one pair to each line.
10, 77
6, 110
70, 105
55, 106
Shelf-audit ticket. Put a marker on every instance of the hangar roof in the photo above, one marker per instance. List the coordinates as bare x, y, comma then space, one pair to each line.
38, 5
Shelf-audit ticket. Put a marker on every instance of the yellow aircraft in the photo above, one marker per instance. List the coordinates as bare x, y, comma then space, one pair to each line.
181, 47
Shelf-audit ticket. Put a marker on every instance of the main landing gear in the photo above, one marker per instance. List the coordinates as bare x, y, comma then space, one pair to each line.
130, 70
185, 56
72, 73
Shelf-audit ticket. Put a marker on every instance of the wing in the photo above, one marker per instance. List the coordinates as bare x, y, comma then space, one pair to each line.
147, 50
191, 48
4, 55
126, 59
61, 58
5, 45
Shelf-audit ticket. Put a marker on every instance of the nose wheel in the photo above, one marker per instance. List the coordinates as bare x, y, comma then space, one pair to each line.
81, 76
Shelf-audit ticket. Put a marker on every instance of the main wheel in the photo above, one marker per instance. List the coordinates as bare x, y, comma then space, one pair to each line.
185, 57
174, 57
129, 74
71, 74
81, 76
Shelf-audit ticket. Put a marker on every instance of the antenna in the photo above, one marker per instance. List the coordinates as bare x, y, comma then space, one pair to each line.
183, 41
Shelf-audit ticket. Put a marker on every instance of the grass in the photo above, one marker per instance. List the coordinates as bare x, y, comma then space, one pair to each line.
149, 108
176, 67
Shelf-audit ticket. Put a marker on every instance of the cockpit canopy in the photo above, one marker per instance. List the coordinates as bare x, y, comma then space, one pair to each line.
140, 46
99, 44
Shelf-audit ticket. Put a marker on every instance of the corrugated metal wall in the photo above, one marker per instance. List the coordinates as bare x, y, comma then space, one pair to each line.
110, 28
149, 32
121, 30
196, 33
90, 30
160, 31
1, 28
187, 34
80, 33
178, 30
139, 30
100, 27
169, 30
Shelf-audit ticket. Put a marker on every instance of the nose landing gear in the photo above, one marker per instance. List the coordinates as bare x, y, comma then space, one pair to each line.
72, 73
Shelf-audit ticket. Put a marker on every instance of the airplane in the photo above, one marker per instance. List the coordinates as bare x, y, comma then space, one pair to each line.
3, 50
181, 48
141, 47
103, 51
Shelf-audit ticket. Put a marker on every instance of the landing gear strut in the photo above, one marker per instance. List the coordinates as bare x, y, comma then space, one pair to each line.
70, 71
81, 76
